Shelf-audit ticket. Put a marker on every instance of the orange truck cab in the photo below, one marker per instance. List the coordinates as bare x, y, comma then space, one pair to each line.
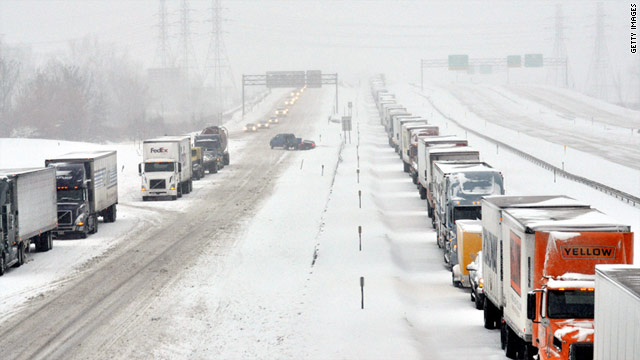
549, 258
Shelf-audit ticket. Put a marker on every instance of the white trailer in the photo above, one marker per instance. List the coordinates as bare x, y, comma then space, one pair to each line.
28, 213
397, 131
166, 170
422, 156
406, 139
617, 313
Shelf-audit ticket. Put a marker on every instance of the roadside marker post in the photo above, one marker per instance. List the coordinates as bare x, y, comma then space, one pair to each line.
360, 237
361, 292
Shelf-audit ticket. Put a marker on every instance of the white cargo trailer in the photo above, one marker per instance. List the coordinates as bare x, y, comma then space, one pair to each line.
28, 213
617, 313
422, 156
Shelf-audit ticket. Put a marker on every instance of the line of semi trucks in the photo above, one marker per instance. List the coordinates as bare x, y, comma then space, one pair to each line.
66, 196
539, 253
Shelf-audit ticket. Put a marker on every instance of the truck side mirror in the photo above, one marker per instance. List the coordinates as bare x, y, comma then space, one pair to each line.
531, 306
179, 167
139, 168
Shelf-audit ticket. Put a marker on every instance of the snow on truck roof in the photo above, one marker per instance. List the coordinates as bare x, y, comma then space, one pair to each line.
452, 149
457, 166
625, 276
83, 155
16, 171
167, 138
564, 219
536, 201
470, 226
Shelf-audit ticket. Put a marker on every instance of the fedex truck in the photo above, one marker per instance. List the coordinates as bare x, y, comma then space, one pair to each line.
166, 170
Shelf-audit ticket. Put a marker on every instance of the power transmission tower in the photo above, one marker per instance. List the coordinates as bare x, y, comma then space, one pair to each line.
162, 52
602, 82
557, 74
220, 61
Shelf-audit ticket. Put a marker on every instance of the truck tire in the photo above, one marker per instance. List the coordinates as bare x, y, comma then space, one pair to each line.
478, 302
94, 229
406, 167
49, 241
225, 159
512, 345
174, 197
429, 208
20, 255
488, 314
414, 178
114, 213
423, 192
214, 169
2, 263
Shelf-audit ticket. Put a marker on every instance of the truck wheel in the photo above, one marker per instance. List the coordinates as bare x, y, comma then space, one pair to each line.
511, 348
429, 209
2, 263
406, 167
174, 197
225, 159
20, 255
488, 314
94, 229
423, 193
478, 302
114, 213
214, 169
49, 242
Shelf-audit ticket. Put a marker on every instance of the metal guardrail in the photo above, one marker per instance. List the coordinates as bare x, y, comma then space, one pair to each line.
618, 194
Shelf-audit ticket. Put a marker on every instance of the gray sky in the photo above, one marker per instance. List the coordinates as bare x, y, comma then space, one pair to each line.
348, 37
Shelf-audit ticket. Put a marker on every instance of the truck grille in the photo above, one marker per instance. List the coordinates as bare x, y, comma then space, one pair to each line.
65, 217
581, 351
157, 184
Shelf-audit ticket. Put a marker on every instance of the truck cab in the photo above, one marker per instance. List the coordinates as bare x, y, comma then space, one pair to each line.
160, 177
562, 315
212, 152
74, 212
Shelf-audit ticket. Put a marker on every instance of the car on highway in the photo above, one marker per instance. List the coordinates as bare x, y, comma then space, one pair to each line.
285, 141
281, 111
476, 280
305, 144
274, 120
250, 127
264, 124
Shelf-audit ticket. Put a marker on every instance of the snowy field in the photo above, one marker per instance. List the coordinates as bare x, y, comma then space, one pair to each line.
290, 286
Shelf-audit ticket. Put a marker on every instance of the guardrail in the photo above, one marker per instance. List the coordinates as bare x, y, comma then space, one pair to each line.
618, 194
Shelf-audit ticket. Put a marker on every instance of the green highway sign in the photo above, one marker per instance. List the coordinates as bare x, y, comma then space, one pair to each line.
458, 62
514, 61
533, 60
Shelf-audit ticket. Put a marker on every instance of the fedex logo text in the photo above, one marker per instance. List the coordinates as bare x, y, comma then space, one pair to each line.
159, 150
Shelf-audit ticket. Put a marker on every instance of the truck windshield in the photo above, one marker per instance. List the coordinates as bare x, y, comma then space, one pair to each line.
467, 213
70, 195
570, 304
159, 166
476, 183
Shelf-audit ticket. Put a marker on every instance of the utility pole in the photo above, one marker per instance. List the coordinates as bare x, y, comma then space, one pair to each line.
162, 52
559, 48
186, 34
600, 73
222, 71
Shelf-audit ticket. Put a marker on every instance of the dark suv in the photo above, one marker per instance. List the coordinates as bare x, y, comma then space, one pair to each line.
286, 141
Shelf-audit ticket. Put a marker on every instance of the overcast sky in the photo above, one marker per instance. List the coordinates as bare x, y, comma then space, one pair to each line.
349, 37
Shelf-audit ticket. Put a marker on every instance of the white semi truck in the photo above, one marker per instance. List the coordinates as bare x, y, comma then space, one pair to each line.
27, 213
617, 313
166, 170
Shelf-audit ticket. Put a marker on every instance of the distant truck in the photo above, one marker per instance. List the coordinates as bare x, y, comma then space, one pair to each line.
87, 186
27, 213
548, 283
166, 170
223, 134
394, 121
197, 163
459, 186
448, 152
617, 313
422, 158
396, 141
212, 154
468, 244
409, 143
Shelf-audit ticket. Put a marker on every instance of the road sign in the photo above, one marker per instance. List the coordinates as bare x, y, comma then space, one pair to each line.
533, 60
286, 79
314, 78
346, 123
458, 62
485, 69
514, 61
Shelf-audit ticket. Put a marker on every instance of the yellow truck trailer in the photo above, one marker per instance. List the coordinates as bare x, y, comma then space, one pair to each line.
468, 243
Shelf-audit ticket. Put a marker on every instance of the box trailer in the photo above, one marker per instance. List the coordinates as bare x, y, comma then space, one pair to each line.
617, 313
407, 139
87, 186
469, 242
423, 160
28, 213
